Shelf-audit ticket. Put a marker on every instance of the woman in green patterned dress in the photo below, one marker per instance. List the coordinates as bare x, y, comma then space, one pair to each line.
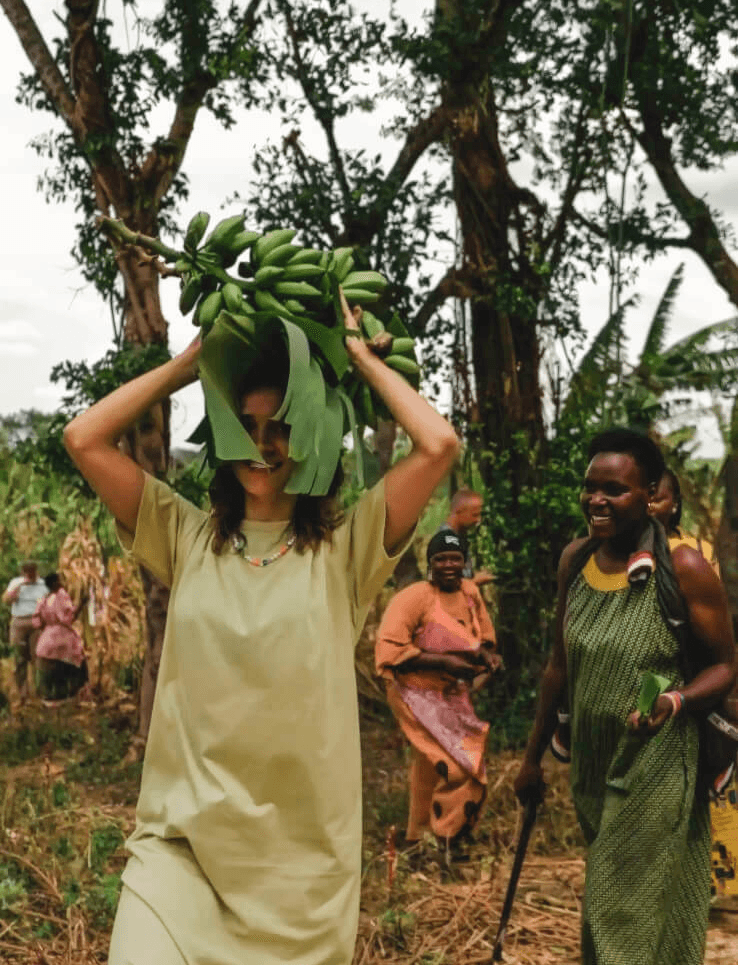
634, 780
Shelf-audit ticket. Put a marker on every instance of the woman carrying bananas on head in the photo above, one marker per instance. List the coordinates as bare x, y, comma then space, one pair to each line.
247, 845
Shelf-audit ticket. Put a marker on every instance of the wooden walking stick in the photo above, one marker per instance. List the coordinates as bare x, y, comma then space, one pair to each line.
529, 819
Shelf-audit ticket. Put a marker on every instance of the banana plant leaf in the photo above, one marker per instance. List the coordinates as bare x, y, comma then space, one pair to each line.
331, 441
348, 406
311, 409
305, 414
227, 354
299, 355
203, 436
328, 340
304, 399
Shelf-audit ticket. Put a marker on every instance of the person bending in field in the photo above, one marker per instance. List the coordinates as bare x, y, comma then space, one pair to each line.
247, 846
435, 643
634, 778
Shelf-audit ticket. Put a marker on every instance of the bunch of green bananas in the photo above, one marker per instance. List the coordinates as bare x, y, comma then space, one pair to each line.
282, 287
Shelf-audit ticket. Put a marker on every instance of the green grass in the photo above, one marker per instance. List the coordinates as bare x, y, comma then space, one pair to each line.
102, 764
24, 743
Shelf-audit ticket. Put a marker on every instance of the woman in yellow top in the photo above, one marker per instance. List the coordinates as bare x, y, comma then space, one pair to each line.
247, 847
666, 507
434, 639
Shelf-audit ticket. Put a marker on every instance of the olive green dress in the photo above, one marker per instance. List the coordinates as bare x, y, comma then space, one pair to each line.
647, 887
247, 844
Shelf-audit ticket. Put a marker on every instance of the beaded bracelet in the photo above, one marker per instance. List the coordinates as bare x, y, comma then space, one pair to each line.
676, 698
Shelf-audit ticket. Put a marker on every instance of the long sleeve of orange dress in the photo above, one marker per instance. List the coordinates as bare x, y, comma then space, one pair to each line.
447, 777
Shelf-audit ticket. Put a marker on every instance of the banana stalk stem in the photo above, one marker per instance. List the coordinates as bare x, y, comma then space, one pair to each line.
112, 226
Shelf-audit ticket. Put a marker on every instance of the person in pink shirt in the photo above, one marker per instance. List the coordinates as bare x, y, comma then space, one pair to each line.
62, 667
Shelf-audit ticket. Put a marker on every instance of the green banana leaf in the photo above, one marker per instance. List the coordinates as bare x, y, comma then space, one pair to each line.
348, 406
298, 351
242, 326
304, 398
305, 414
331, 441
652, 684
311, 409
328, 340
226, 355
201, 434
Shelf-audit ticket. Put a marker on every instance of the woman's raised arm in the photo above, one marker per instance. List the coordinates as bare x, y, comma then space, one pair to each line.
92, 437
410, 483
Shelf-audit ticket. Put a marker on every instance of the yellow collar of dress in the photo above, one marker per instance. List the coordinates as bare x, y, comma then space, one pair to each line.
607, 582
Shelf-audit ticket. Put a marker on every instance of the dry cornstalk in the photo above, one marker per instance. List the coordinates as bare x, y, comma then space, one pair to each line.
113, 622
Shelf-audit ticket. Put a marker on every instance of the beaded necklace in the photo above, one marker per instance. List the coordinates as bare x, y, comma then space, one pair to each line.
238, 542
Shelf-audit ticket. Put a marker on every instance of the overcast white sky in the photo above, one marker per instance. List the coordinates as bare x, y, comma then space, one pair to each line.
48, 315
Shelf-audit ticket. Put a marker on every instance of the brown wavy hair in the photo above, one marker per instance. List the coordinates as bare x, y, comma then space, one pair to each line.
315, 517
313, 521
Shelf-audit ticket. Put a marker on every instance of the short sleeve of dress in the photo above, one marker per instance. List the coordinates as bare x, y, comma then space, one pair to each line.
369, 565
165, 527
397, 628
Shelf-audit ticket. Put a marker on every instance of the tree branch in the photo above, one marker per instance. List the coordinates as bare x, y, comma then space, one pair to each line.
364, 225
554, 242
428, 131
704, 236
166, 156
40, 57
453, 284
650, 241
92, 124
323, 114
292, 142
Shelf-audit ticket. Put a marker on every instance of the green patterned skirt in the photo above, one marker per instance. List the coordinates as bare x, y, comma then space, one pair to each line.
647, 889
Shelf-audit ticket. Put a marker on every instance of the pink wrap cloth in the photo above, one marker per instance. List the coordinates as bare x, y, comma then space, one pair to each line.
58, 641
447, 777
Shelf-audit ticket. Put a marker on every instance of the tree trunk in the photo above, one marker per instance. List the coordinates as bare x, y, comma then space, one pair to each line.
505, 348
147, 442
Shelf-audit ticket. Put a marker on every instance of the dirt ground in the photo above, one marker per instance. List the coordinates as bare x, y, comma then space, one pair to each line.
68, 783
433, 915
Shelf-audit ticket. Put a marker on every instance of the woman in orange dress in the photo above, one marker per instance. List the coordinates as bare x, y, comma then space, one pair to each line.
434, 645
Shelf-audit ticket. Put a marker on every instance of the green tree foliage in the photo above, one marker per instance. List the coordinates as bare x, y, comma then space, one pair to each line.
42, 447
108, 78
536, 130
606, 389
541, 126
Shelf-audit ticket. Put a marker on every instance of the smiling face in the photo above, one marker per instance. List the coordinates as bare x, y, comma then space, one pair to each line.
271, 437
615, 497
664, 503
446, 569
